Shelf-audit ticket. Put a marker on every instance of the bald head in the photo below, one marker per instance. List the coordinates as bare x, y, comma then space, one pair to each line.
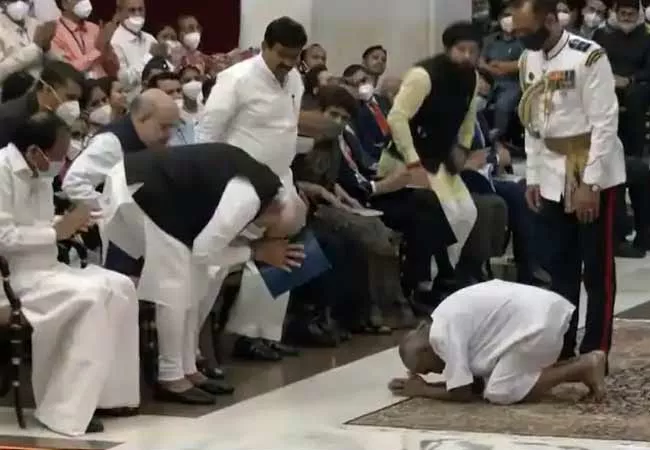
154, 115
416, 352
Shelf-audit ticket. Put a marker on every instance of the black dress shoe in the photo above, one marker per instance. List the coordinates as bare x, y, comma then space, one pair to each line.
627, 250
117, 412
282, 349
255, 350
192, 396
215, 387
214, 373
95, 426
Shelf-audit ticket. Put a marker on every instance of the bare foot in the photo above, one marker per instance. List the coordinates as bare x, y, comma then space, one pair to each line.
595, 362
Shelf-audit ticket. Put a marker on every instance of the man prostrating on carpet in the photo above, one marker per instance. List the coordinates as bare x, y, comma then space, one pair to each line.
497, 340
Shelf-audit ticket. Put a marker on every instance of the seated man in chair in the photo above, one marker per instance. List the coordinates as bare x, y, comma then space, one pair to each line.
85, 327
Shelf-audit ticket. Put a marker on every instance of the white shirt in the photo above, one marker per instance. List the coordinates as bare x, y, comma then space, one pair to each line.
218, 243
27, 237
250, 109
475, 327
586, 104
91, 168
132, 51
17, 49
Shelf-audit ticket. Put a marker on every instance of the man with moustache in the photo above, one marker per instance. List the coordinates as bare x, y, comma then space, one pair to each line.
575, 162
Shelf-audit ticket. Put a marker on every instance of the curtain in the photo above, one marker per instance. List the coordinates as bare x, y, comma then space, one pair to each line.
220, 19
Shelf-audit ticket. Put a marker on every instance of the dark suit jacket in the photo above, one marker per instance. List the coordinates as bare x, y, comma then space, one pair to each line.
368, 131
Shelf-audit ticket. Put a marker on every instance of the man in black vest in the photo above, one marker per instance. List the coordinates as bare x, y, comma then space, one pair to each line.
153, 116
183, 210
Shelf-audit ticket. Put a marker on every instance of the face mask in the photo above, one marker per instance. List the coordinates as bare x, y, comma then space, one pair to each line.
69, 111
172, 45
481, 103
481, 15
592, 20
366, 91
179, 103
612, 20
647, 14
134, 23
76, 146
564, 18
101, 115
626, 27
506, 24
83, 9
192, 89
535, 41
53, 169
17, 11
192, 40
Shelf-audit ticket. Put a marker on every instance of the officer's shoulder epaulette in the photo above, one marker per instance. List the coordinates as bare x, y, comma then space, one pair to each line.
579, 44
594, 56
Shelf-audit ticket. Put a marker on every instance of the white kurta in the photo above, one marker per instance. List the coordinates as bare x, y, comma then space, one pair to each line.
250, 109
506, 333
85, 321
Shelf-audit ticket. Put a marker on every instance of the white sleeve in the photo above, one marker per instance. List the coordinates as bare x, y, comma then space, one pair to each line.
450, 341
90, 169
16, 58
533, 148
601, 106
16, 238
237, 208
220, 109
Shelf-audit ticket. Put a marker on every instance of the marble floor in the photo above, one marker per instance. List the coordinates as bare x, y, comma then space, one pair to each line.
291, 412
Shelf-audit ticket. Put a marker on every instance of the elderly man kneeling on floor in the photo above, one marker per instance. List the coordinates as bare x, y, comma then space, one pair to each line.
85, 321
497, 340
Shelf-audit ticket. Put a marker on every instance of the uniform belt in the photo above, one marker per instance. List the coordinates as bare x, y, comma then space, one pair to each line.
570, 145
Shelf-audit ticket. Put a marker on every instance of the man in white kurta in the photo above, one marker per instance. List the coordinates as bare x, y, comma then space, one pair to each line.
255, 106
505, 337
85, 321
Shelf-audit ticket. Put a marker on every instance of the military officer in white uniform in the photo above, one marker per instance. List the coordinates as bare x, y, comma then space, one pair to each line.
574, 162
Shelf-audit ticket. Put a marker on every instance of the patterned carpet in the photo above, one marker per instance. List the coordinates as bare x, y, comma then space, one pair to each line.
625, 415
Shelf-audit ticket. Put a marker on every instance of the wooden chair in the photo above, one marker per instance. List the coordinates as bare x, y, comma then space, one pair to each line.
14, 333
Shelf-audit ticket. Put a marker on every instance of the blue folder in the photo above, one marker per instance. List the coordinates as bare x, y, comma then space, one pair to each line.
279, 281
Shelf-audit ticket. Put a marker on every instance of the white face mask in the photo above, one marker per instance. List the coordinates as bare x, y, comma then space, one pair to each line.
83, 9
179, 103
366, 91
506, 24
192, 89
76, 146
564, 18
69, 111
17, 11
626, 27
134, 23
192, 40
647, 14
101, 115
592, 20
481, 103
53, 170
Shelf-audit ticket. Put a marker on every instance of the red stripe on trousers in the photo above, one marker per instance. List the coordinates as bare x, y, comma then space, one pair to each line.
610, 201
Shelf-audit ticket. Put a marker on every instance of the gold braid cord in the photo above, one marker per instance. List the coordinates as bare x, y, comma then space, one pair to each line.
528, 101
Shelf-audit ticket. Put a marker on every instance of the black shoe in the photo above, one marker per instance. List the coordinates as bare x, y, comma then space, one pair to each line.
214, 373
255, 350
215, 387
192, 396
95, 426
117, 412
282, 349
311, 334
627, 250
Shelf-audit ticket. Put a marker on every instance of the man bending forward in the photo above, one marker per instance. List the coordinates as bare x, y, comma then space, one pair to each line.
497, 339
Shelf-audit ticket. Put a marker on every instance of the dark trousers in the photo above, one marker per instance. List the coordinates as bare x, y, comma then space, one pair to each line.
418, 215
631, 129
568, 245
638, 185
506, 97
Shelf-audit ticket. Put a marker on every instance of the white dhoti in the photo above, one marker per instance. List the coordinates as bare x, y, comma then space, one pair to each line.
458, 206
518, 370
85, 342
